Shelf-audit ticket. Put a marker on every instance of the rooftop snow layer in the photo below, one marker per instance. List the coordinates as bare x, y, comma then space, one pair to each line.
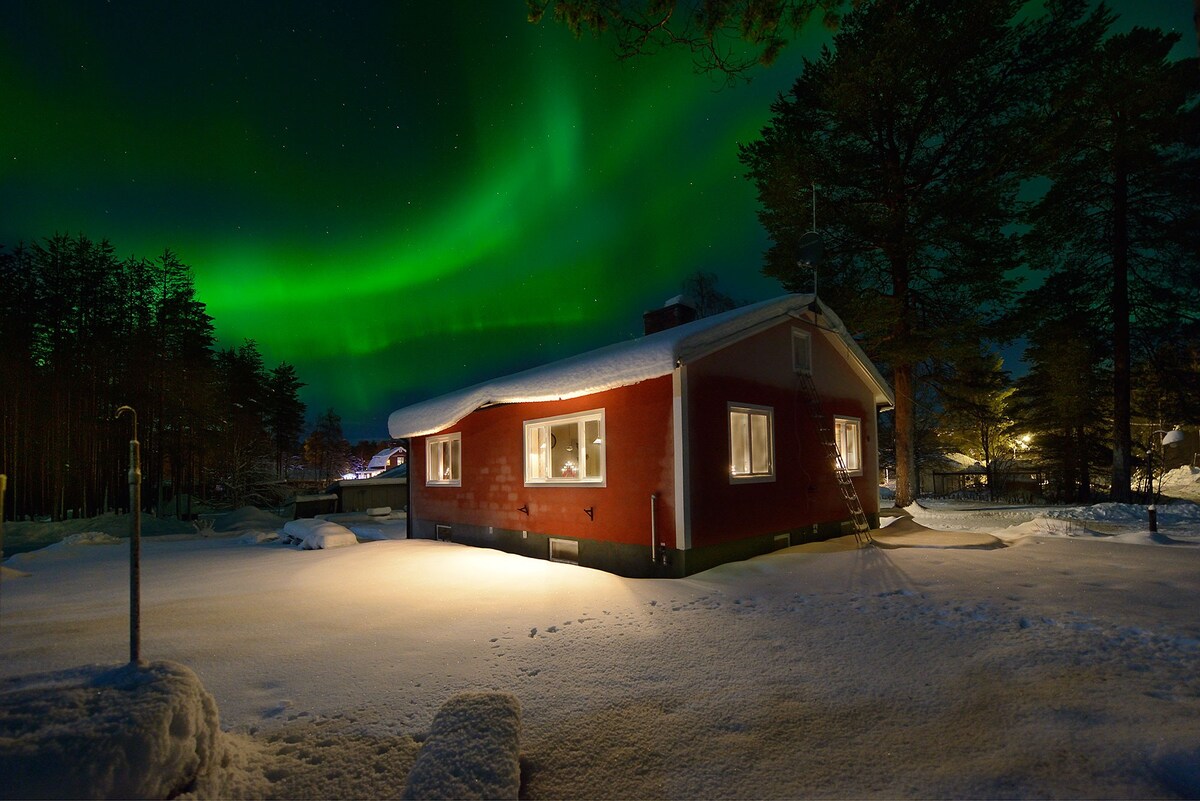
619, 365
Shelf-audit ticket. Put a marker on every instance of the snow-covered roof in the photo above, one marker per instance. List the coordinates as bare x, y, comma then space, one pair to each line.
379, 460
626, 363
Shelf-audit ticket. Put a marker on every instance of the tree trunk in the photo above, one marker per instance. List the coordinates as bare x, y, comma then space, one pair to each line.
1121, 441
905, 430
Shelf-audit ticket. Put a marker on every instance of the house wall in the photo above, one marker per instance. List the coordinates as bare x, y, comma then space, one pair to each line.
485, 509
803, 501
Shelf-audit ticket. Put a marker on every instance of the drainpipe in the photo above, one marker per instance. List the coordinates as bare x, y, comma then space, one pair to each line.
653, 526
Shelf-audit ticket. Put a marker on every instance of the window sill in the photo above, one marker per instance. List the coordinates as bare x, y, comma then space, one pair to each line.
751, 479
591, 482
443, 483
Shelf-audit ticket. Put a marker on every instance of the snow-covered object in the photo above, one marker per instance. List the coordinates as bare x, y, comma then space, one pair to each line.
312, 534
379, 461
379, 511
625, 363
1182, 482
257, 537
473, 750
149, 731
247, 517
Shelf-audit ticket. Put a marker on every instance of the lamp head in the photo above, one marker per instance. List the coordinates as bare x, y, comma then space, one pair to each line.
1172, 437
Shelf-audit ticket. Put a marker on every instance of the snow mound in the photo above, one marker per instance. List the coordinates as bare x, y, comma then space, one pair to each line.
247, 517
311, 534
1173, 512
257, 537
148, 731
1181, 476
87, 538
1049, 526
473, 750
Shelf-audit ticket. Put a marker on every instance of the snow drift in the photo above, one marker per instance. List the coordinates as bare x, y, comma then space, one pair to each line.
148, 731
472, 752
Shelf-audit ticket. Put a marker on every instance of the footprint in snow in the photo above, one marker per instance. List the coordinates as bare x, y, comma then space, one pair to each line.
533, 632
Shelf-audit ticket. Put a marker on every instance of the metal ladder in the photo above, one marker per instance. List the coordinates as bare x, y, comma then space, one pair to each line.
862, 529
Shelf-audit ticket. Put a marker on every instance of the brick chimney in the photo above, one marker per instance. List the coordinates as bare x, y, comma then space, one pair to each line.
675, 311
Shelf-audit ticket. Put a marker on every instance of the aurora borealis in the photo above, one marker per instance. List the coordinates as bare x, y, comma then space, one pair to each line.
397, 198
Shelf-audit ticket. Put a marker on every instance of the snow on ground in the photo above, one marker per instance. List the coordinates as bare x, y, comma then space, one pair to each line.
1067, 664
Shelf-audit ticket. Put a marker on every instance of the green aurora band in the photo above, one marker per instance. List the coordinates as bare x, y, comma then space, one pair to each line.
397, 199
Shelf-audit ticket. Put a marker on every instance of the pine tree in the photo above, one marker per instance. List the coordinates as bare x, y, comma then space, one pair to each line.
975, 397
1061, 400
912, 129
284, 413
1123, 209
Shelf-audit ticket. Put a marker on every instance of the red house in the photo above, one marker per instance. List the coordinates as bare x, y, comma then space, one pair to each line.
662, 456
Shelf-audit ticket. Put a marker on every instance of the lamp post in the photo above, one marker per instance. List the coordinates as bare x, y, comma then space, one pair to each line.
135, 541
1168, 438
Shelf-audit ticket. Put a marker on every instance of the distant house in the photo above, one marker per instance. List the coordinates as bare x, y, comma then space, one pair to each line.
388, 488
386, 459
694, 445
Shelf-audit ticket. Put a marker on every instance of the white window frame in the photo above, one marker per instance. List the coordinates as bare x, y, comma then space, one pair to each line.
435, 467
564, 550
801, 352
841, 423
751, 410
544, 425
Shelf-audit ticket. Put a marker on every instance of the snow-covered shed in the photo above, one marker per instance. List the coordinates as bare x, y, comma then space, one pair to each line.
665, 455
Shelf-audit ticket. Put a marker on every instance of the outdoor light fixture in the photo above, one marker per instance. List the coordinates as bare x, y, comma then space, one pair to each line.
1172, 437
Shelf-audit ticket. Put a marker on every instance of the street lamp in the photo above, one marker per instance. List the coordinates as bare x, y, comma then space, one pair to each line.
135, 541
1171, 437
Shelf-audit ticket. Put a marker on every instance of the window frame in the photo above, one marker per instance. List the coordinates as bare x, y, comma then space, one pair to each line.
800, 336
751, 410
840, 423
581, 419
430, 443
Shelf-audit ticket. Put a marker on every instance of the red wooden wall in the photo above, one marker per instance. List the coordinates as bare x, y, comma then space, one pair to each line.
639, 458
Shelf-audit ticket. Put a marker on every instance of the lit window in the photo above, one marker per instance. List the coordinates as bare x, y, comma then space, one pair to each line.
847, 433
751, 443
568, 449
801, 352
443, 463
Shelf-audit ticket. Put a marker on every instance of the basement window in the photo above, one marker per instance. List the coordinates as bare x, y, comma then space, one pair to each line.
443, 460
564, 551
568, 449
847, 433
751, 444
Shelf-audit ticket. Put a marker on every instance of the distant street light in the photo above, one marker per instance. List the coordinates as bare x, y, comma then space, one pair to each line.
1171, 437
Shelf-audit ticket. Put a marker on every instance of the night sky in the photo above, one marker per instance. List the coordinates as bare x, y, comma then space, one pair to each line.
399, 199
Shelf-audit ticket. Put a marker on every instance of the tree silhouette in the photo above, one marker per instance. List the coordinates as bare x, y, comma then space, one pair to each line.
1123, 208
912, 127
